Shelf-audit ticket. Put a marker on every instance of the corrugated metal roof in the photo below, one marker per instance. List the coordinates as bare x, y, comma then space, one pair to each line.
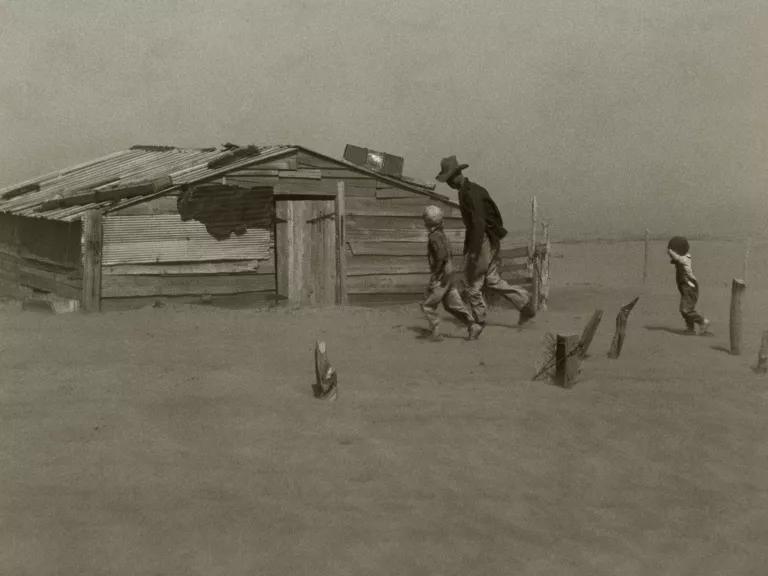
182, 165
142, 163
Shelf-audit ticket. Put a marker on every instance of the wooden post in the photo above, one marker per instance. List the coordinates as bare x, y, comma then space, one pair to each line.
91, 241
536, 281
544, 270
621, 327
762, 355
737, 291
325, 386
567, 362
341, 245
589, 333
533, 225
645, 256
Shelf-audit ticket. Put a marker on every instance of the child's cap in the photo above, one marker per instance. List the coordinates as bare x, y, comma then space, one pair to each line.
679, 245
432, 215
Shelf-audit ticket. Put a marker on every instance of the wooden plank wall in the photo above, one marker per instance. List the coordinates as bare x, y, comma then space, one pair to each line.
386, 239
149, 252
40, 254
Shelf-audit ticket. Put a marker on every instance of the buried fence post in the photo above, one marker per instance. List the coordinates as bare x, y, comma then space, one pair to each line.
566, 360
589, 333
762, 355
325, 386
621, 327
737, 291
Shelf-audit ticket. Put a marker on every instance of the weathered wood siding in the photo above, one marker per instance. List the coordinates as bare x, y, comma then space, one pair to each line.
40, 254
386, 239
387, 245
150, 252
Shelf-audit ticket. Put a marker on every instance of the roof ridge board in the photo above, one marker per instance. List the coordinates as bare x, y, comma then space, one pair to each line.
419, 189
161, 147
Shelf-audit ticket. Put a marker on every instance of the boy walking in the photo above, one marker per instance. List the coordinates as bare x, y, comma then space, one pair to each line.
441, 287
687, 285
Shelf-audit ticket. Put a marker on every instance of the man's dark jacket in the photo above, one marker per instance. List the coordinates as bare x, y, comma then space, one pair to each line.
481, 216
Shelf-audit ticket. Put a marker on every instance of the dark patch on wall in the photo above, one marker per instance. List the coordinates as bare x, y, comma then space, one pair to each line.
227, 210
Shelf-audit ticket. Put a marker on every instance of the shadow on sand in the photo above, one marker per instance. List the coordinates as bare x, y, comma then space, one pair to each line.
677, 331
721, 348
424, 333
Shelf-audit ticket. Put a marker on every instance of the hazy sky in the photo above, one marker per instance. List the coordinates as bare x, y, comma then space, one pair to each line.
618, 114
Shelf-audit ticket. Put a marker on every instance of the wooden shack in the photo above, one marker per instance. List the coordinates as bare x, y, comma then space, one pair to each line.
264, 224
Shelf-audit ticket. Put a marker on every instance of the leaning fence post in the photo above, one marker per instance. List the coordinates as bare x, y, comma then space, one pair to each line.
589, 332
737, 291
621, 327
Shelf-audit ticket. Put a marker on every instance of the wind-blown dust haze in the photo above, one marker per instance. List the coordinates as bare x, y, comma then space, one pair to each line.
619, 115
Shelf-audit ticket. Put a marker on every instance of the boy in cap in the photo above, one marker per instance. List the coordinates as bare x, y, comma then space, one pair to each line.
482, 243
441, 287
687, 285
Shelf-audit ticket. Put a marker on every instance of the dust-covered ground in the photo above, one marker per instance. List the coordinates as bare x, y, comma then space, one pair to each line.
185, 440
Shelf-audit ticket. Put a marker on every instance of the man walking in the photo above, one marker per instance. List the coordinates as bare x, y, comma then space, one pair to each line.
484, 229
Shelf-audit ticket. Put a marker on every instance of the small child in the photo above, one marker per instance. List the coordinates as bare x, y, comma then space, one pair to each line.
678, 250
441, 287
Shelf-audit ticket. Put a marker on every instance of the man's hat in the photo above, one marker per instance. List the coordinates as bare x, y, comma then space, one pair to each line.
449, 167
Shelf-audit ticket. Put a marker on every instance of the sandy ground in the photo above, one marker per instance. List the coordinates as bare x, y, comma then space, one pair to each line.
185, 440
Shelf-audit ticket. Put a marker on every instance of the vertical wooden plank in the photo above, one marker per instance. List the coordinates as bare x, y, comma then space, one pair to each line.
737, 292
534, 209
567, 361
91, 241
341, 242
544, 272
283, 247
300, 288
536, 281
329, 259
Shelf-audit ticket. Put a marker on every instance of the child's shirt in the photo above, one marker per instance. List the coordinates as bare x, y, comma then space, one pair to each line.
683, 270
439, 255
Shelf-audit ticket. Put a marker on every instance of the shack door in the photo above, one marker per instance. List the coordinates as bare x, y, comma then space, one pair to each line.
305, 242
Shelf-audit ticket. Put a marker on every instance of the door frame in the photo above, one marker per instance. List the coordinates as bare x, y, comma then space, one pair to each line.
286, 250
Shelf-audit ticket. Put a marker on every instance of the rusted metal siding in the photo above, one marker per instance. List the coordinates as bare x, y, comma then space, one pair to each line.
165, 238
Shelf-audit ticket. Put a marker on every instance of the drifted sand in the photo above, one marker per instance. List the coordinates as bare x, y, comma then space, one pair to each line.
185, 440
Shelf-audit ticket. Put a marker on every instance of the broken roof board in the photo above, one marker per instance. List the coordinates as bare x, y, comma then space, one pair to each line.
182, 165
